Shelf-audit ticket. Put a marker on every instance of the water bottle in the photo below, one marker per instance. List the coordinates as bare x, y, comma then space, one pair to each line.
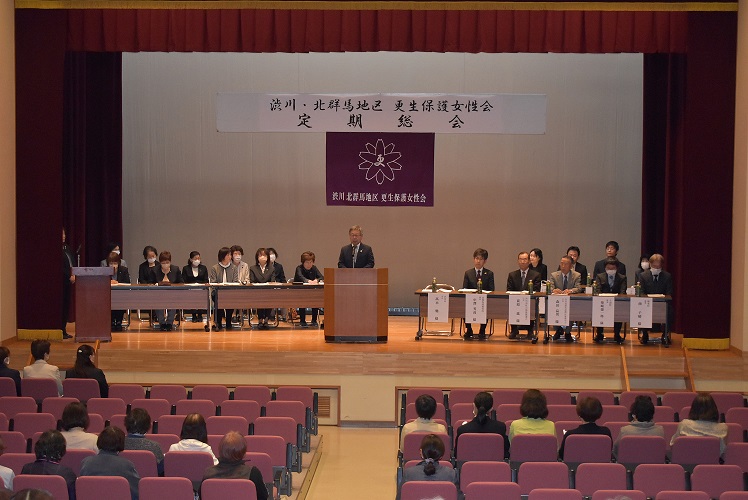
480, 285
433, 284
529, 287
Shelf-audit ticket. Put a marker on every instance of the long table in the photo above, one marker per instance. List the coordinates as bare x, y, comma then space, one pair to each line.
161, 297
268, 296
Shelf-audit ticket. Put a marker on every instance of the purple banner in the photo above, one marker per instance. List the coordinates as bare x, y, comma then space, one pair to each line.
380, 169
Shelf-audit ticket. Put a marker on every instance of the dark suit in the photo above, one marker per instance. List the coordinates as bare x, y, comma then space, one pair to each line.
166, 317
122, 276
586, 428
5, 371
542, 269
257, 275
93, 373
303, 275
514, 284
43, 467
664, 285
600, 267
619, 286
489, 426
470, 280
145, 274
581, 269
202, 277
364, 256
280, 274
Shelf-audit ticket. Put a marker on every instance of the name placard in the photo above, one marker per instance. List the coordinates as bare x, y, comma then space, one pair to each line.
519, 309
475, 308
438, 307
603, 311
640, 313
557, 310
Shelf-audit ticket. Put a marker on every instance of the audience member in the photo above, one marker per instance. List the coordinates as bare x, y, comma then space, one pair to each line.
74, 424
138, 423
573, 252
611, 251
6, 474
242, 268
31, 494
194, 436
49, 450
109, 463
307, 272
482, 422
84, 368
280, 273
534, 410
426, 409
642, 412
703, 420
231, 464
429, 469
478, 277
589, 410
40, 368
7, 371
643, 266
146, 268
536, 263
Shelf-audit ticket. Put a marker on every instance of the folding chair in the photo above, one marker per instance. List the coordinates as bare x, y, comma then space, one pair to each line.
15, 442
170, 392
678, 400
8, 387
169, 424
563, 412
307, 396
82, 389
258, 393
586, 448
412, 446
506, 412
636, 450
462, 396
164, 440
155, 407
473, 472
738, 416
73, 459
690, 451
223, 424
10, 406
480, 447
281, 455
29, 423
284, 427
189, 464
614, 413
664, 414
106, 407
727, 400
220, 489
418, 490
532, 448
295, 410
557, 397
736, 454
507, 396
127, 392
16, 461
56, 405
264, 463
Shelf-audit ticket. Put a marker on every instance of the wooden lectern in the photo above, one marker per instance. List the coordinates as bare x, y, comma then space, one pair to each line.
93, 304
356, 305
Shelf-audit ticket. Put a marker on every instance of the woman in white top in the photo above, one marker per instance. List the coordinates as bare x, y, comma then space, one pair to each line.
194, 436
74, 424
703, 420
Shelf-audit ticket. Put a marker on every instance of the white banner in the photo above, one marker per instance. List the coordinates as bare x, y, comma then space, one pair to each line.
438, 307
640, 313
439, 113
519, 309
603, 310
557, 310
475, 308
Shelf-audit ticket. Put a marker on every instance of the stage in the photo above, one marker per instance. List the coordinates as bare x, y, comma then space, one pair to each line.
362, 381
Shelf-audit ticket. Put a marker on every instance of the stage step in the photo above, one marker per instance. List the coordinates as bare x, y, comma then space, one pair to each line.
686, 374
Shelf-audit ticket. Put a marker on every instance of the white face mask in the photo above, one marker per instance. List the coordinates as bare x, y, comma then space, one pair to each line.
272, 257
645, 265
151, 260
7, 360
237, 259
655, 272
116, 251
611, 272
196, 263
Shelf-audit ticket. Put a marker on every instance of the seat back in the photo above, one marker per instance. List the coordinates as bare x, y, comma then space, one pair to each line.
118, 420
144, 461
716, 479
508, 411
212, 392
614, 413
737, 416
221, 425
678, 400
155, 407
170, 392
682, 495
16, 461
485, 490
480, 447
736, 454
12, 405
689, 451
263, 462
73, 459
591, 477
15, 442
562, 426
419, 490
664, 414
259, 393
472, 472
106, 407
284, 427
533, 448
507, 396
300, 393
294, 409
635, 450
127, 392
189, 464
165, 488
274, 446
412, 445
727, 400
8, 387
169, 424
563, 412
81, 388
669, 428
96, 423
412, 394
220, 489
461, 411
4, 422
29, 423
241, 408
462, 396
605, 397
91, 487
587, 448
653, 478
554, 494
557, 397
39, 388
204, 407
56, 485
619, 493
532, 475
164, 440
627, 397
56, 405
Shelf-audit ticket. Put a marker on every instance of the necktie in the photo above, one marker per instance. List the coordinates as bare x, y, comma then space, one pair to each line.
524, 275
355, 254
656, 276
478, 274
611, 281
565, 282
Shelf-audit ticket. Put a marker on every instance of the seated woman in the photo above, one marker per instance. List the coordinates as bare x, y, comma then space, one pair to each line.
113, 247
49, 450
262, 272
145, 274
165, 274
74, 424
194, 436
231, 464
7, 371
703, 420
425, 409
280, 274
84, 368
534, 410
121, 275
307, 272
195, 272
590, 410
483, 423
138, 423
429, 469
642, 412
108, 462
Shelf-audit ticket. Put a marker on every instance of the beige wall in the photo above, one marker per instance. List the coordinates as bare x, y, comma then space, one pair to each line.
739, 306
7, 172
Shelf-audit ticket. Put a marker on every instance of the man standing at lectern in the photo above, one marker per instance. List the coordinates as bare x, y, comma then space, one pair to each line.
356, 254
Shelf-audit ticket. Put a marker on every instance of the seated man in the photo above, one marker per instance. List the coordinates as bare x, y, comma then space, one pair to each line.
611, 250
565, 282
425, 408
40, 368
611, 281
656, 280
574, 252
517, 281
472, 276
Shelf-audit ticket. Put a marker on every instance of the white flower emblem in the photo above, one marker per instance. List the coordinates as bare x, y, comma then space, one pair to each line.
380, 161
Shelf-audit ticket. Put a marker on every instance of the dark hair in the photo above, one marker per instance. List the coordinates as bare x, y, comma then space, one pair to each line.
4, 352
704, 408
111, 439
523, 253
589, 409
613, 244
31, 494
575, 248
645, 256
111, 246
483, 402
165, 255
539, 253
39, 348
138, 421
194, 427
432, 450
75, 415
308, 255
236, 248
611, 261
534, 404
259, 251
425, 406
148, 249
193, 254
272, 250
113, 258
223, 252
51, 446
83, 360
480, 252
232, 447
567, 258
643, 408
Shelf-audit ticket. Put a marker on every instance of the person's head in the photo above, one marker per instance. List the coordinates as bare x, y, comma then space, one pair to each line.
232, 447
656, 262
237, 252
224, 256
194, 259
536, 257
164, 258
704, 408
31, 494
356, 234
307, 260
480, 256
50, 446
75, 415
533, 404
150, 253
40, 349
432, 450
573, 252
425, 406
84, 358
138, 421
113, 260
589, 409
112, 246
611, 248
111, 439
611, 266
642, 409
194, 427
565, 264
272, 254
644, 261
483, 402
4, 355
523, 259
261, 256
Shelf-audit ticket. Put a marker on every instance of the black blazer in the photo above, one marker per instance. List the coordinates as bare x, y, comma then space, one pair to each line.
175, 275
257, 276
280, 274
489, 426
600, 267
5, 371
122, 275
514, 281
365, 257
202, 274
471, 281
94, 373
542, 269
302, 275
586, 428
664, 282
145, 273
619, 283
